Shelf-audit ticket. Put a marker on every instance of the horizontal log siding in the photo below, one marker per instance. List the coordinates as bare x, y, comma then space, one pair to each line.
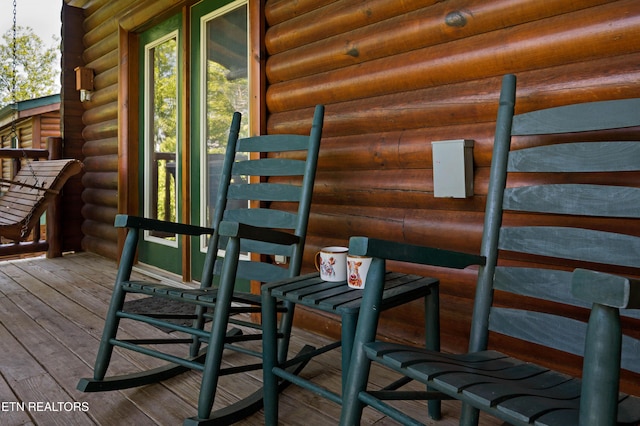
49, 127
413, 29
566, 38
102, 20
100, 129
397, 75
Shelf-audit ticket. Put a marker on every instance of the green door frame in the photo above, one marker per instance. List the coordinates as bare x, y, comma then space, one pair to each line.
202, 13
159, 251
189, 109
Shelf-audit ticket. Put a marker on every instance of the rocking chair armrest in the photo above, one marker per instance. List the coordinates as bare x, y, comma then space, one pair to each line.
255, 233
603, 356
126, 221
606, 289
391, 250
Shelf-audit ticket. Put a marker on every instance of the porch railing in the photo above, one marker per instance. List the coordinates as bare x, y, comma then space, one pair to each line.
51, 241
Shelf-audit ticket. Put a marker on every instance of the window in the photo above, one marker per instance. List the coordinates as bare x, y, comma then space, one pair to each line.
161, 174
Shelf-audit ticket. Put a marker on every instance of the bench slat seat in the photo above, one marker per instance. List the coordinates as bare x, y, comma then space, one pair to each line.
197, 296
498, 381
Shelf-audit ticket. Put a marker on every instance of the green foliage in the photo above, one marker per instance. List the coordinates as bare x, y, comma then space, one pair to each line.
37, 67
165, 91
165, 119
224, 96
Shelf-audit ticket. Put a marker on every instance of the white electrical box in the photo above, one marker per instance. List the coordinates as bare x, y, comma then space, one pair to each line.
452, 168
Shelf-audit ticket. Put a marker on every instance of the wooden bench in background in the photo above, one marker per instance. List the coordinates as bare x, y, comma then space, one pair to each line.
29, 194
582, 211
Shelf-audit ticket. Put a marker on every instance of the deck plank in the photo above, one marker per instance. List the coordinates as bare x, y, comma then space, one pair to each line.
30, 381
11, 414
51, 317
55, 343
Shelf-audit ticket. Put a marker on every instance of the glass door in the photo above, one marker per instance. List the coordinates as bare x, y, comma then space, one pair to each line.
160, 139
220, 84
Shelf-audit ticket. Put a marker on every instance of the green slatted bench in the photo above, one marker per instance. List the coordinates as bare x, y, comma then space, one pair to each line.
558, 261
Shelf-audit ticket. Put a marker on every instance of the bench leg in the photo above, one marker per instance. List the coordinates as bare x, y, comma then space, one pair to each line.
432, 338
348, 334
601, 371
269, 360
469, 416
358, 372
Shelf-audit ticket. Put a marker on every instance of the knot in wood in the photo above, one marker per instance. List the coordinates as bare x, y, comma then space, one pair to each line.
352, 49
455, 19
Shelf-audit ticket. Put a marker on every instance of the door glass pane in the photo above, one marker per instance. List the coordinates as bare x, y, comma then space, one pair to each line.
161, 124
225, 74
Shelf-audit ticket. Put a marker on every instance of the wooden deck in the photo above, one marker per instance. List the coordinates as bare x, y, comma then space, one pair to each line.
51, 317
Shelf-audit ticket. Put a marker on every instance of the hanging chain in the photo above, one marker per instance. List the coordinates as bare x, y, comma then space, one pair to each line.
14, 77
14, 123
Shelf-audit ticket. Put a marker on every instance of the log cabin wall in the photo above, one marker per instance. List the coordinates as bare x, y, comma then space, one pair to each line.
33, 126
394, 77
96, 120
93, 32
24, 132
49, 126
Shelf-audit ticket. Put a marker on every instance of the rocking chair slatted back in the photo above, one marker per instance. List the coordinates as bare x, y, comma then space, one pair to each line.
29, 194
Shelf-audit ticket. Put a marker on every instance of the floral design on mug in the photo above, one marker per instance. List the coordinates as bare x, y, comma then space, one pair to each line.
354, 273
327, 267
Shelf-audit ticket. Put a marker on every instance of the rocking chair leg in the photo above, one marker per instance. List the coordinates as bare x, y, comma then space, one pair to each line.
199, 324
117, 301
270, 355
213, 360
469, 416
207, 282
98, 383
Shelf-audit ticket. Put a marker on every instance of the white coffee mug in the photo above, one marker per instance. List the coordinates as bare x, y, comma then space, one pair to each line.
357, 269
331, 262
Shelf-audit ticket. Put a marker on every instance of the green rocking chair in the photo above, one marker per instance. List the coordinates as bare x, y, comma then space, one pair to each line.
285, 179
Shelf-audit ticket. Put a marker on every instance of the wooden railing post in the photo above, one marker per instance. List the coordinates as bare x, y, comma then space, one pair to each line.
54, 146
54, 217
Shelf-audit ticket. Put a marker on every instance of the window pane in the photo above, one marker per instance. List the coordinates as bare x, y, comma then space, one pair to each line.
161, 136
227, 90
